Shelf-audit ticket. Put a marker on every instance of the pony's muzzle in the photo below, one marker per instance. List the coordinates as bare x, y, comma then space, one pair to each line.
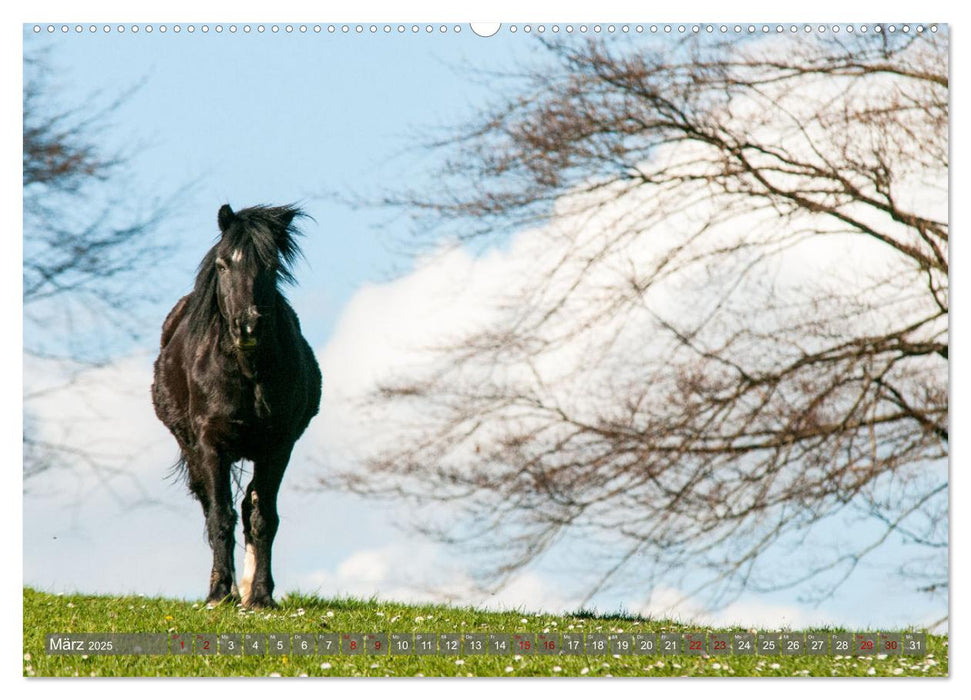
246, 328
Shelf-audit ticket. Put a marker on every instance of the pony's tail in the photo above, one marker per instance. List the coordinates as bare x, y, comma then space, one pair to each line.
179, 472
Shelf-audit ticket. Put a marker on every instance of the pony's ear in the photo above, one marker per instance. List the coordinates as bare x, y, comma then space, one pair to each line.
226, 217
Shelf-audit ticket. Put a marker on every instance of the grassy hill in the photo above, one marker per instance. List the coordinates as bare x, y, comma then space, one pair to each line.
46, 613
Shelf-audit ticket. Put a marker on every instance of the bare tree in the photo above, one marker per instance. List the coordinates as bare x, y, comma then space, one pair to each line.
87, 247
733, 335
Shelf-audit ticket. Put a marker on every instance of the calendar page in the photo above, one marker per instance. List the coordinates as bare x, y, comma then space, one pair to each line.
426, 348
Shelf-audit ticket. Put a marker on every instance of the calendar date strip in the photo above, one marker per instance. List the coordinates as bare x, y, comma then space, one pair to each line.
471, 644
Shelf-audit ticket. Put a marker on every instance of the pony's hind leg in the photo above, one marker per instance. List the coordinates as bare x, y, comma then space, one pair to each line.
211, 483
260, 523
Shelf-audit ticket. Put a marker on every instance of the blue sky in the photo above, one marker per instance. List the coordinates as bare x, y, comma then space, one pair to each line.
270, 119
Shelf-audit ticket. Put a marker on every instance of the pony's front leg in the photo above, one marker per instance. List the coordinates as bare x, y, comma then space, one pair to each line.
260, 523
217, 504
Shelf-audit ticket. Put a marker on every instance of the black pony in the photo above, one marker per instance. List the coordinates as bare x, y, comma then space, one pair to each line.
236, 380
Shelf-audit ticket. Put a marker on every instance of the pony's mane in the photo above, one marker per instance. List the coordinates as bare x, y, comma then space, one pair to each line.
266, 237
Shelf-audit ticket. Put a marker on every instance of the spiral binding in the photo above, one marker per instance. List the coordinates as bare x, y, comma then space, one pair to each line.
449, 29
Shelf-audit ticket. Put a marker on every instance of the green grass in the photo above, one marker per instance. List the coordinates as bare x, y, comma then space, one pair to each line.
45, 613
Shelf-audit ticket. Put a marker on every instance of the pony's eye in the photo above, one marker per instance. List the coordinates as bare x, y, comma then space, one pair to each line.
221, 265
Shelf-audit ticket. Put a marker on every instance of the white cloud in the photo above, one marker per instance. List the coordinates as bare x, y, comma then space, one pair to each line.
392, 330
423, 572
105, 412
111, 524
671, 603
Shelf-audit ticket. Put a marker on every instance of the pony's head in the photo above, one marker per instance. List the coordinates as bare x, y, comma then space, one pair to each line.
254, 254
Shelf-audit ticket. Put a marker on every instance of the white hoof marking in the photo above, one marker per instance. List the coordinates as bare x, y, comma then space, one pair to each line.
249, 568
